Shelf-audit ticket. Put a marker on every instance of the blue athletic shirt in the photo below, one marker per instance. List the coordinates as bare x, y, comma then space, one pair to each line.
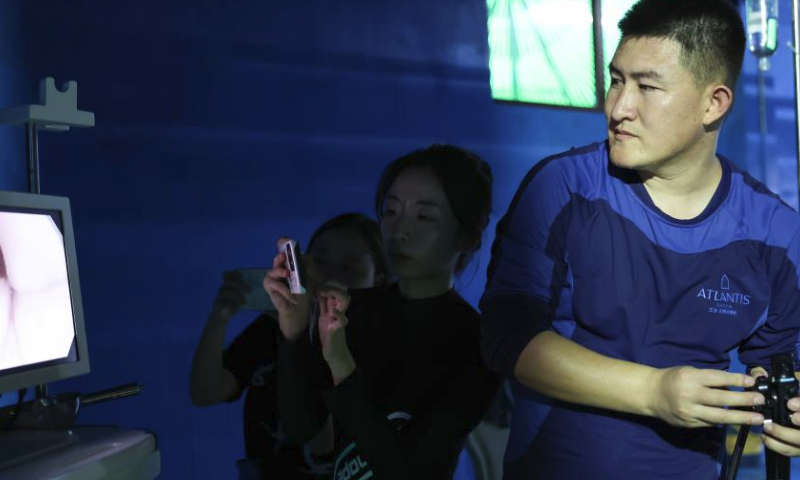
584, 252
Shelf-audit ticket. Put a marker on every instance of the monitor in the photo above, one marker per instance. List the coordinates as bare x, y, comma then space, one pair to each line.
42, 335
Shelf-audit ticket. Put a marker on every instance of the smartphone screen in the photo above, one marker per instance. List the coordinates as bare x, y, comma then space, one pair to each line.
258, 298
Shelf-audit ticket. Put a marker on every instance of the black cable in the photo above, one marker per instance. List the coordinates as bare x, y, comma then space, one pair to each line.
733, 466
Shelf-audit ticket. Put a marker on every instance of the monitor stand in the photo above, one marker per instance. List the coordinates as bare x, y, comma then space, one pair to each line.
40, 427
45, 425
17, 446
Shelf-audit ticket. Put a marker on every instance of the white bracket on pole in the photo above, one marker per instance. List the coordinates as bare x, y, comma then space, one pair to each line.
57, 110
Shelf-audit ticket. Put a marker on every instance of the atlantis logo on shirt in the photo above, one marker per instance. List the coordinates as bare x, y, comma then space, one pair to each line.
723, 298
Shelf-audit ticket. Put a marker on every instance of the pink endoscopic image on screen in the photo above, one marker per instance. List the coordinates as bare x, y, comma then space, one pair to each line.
36, 322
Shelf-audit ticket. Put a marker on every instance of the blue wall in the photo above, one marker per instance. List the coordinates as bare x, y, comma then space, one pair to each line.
15, 89
210, 118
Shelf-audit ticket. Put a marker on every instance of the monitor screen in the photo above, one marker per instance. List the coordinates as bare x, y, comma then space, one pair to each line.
42, 337
543, 51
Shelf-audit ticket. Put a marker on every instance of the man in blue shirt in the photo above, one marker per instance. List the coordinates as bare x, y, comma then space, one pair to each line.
625, 272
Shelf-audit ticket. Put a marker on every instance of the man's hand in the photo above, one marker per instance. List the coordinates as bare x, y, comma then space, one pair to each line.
293, 310
782, 439
333, 302
779, 438
691, 397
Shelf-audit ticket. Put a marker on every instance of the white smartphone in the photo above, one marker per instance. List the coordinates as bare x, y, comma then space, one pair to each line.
294, 263
257, 298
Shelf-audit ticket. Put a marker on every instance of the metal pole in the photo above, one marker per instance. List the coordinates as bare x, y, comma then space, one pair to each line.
762, 124
796, 52
32, 150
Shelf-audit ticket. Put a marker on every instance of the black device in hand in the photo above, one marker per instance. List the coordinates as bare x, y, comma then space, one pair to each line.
778, 388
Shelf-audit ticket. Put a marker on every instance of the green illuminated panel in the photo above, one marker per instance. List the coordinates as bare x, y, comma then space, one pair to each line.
612, 12
541, 51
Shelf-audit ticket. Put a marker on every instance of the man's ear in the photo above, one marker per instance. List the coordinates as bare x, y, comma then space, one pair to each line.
719, 103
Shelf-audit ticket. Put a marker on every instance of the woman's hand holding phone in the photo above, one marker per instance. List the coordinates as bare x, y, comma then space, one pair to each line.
293, 309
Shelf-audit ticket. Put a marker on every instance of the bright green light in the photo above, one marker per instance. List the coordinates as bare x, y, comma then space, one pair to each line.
541, 51
772, 34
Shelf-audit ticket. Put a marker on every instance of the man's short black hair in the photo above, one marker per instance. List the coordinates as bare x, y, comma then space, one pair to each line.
710, 33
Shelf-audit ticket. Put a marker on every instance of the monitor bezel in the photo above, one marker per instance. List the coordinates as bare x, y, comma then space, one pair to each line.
37, 374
